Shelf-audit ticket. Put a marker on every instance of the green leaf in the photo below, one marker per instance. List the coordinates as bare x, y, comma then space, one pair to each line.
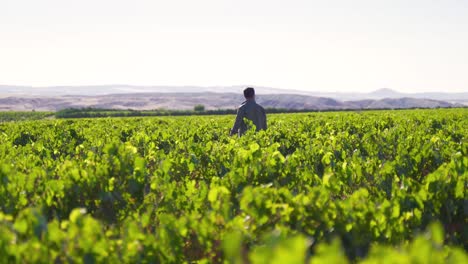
460, 189
76, 214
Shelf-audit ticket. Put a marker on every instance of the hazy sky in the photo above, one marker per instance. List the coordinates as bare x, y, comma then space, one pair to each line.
333, 45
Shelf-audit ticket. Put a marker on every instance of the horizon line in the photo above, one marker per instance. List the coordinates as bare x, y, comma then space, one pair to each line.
227, 86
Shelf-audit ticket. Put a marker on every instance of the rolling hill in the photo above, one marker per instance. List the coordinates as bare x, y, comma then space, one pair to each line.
211, 100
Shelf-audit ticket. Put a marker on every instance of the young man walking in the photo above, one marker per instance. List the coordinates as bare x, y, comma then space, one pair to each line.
252, 111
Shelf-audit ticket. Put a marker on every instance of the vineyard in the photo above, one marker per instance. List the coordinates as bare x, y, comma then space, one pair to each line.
357, 187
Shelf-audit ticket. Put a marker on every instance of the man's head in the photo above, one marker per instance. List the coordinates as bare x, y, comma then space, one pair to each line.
249, 93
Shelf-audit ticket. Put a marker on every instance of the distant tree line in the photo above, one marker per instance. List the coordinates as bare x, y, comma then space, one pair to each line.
6, 116
198, 110
98, 112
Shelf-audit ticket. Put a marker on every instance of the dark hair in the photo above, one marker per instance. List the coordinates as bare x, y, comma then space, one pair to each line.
249, 92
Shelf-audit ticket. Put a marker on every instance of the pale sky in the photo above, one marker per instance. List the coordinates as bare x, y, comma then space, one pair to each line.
332, 45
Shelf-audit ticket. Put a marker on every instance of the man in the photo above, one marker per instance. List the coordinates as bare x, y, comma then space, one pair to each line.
252, 111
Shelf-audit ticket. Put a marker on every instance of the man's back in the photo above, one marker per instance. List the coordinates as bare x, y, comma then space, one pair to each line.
252, 111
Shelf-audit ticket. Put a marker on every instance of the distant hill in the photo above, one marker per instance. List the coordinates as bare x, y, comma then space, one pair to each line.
96, 90
385, 93
397, 103
211, 100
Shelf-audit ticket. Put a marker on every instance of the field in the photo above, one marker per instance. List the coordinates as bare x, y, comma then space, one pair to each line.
370, 187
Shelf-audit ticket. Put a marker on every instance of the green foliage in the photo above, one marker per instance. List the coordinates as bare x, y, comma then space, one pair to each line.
6, 116
342, 187
98, 112
199, 108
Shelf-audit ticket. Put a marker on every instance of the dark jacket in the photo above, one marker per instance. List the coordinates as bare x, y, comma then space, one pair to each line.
252, 111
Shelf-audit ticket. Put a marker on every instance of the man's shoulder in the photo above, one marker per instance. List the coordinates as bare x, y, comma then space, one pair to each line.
260, 107
242, 105
250, 104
